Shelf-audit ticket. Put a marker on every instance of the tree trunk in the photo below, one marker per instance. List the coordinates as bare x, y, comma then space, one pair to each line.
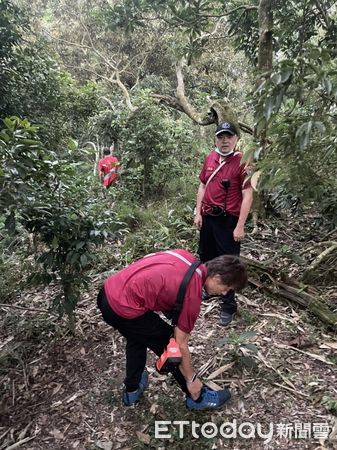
265, 65
265, 58
265, 53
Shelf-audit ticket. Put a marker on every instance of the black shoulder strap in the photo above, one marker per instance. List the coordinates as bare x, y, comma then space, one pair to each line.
182, 290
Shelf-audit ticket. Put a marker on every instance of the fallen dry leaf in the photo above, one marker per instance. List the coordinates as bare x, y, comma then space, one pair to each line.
213, 386
312, 355
219, 371
153, 408
146, 438
332, 345
104, 445
57, 434
57, 388
73, 397
299, 341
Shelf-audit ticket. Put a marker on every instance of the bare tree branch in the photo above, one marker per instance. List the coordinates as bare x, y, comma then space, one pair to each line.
180, 93
246, 128
110, 80
114, 78
107, 61
125, 92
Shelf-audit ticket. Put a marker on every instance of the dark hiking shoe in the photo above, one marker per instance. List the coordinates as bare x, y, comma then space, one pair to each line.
131, 398
225, 318
209, 399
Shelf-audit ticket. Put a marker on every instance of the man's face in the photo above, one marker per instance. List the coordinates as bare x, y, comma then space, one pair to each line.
214, 286
226, 142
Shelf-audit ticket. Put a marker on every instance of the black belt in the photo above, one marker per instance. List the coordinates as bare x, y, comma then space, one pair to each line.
214, 210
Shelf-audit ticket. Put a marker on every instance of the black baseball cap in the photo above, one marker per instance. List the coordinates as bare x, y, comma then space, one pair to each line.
226, 127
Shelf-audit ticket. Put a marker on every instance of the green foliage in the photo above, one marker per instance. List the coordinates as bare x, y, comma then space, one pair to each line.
160, 228
40, 91
12, 26
77, 105
330, 404
107, 124
68, 236
295, 24
299, 106
70, 224
192, 17
238, 340
24, 166
46, 197
240, 347
32, 84
148, 139
244, 29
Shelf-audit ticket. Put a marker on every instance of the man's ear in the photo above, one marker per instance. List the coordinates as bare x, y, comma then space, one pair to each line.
217, 278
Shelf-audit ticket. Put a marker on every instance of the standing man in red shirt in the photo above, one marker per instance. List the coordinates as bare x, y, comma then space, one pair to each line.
107, 168
129, 299
224, 200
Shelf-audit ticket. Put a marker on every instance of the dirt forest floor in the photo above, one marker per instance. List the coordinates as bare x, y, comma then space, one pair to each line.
63, 392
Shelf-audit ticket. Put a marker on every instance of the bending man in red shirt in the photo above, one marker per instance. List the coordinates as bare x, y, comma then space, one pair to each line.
107, 168
129, 299
224, 200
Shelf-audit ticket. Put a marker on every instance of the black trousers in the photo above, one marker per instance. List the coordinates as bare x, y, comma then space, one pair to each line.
141, 333
216, 239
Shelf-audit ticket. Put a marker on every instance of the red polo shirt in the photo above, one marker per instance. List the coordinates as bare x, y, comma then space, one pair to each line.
105, 165
152, 283
233, 171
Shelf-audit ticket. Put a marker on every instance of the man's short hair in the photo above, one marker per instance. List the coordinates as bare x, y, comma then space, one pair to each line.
106, 151
231, 270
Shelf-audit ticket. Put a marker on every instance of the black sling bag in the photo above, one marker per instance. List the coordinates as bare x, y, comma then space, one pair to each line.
174, 314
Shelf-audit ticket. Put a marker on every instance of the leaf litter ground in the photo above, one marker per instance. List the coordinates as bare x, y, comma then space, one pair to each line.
63, 392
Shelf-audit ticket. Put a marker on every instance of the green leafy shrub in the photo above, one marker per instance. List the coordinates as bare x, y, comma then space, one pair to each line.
49, 197
147, 137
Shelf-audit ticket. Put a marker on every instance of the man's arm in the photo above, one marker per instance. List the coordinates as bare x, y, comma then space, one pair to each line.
101, 176
100, 171
185, 367
200, 196
247, 200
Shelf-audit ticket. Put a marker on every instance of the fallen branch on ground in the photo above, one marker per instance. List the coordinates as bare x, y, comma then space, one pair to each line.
317, 261
278, 283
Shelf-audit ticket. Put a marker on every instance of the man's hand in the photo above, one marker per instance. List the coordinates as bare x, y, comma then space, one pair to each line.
186, 365
194, 388
238, 233
198, 221
247, 199
200, 196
